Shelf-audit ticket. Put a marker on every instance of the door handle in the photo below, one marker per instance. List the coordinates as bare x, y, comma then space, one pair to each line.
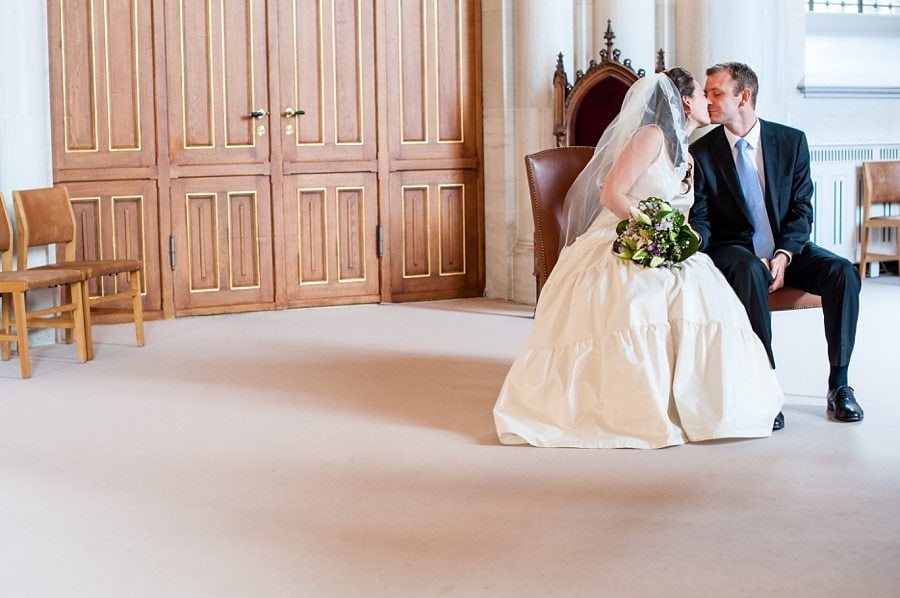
290, 112
259, 113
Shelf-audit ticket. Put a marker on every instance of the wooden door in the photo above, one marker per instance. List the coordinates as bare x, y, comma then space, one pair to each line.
103, 127
434, 240
327, 84
217, 72
433, 90
219, 154
328, 119
101, 87
276, 146
223, 252
432, 104
331, 239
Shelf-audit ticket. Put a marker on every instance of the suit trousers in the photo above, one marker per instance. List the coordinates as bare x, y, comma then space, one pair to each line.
814, 270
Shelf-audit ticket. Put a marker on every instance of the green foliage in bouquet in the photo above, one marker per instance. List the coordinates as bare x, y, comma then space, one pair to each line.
655, 236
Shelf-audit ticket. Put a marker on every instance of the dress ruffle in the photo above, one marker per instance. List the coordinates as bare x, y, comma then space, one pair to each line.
625, 356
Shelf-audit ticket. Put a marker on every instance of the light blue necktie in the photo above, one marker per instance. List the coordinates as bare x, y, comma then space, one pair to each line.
763, 241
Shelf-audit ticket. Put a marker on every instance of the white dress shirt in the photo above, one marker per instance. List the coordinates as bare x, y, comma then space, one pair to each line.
754, 148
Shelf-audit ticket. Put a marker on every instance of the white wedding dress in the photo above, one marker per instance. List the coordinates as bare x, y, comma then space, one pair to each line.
626, 356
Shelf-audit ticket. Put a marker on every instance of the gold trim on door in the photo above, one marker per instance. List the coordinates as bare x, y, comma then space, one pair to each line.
300, 251
361, 219
215, 237
295, 103
115, 249
459, 86
462, 223
137, 78
211, 90
253, 104
229, 222
359, 79
96, 200
423, 27
427, 232
65, 78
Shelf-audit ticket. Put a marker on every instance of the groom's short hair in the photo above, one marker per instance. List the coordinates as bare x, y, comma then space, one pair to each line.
743, 77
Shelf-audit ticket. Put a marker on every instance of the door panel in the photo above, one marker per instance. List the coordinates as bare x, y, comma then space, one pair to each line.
217, 73
330, 237
101, 84
432, 90
432, 106
435, 244
326, 70
223, 242
118, 220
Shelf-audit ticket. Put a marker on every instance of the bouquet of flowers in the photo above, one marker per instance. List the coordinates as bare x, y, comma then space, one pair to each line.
655, 236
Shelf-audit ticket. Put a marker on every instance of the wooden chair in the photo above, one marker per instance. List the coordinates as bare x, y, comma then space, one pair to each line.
45, 217
550, 174
881, 185
13, 287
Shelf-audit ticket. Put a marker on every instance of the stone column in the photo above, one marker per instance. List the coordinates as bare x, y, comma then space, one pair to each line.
499, 145
520, 42
583, 26
543, 30
634, 24
665, 30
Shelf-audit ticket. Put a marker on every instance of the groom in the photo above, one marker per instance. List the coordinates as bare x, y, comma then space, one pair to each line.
752, 210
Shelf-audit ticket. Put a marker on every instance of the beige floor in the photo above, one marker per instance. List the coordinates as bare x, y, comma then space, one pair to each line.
351, 452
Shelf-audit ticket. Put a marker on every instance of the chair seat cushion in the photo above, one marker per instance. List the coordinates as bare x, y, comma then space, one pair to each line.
791, 298
19, 281
95, 268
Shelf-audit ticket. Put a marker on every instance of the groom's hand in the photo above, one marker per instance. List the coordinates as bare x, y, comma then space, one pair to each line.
777, 266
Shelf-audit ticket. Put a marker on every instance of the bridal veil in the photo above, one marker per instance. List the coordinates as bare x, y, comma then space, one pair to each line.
652, 100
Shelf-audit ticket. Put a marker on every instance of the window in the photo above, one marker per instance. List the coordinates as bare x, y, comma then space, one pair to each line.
851, 54
872, 7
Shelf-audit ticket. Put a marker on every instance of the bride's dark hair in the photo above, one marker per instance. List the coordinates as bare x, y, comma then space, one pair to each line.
683, 80
686, 84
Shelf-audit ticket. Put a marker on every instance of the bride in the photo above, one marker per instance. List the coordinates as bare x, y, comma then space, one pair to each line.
626, 356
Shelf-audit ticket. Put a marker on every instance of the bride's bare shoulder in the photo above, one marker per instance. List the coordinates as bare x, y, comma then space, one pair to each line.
649, 136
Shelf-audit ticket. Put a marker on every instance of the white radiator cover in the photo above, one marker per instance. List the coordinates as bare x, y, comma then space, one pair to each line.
836, 172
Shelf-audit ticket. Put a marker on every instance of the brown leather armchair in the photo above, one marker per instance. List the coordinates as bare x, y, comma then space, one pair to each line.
550, 174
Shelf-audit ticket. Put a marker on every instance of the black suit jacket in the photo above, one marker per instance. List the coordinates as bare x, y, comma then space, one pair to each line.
720, 213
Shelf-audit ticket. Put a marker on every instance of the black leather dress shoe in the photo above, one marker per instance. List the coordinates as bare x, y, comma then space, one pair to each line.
779, 422
842, 405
